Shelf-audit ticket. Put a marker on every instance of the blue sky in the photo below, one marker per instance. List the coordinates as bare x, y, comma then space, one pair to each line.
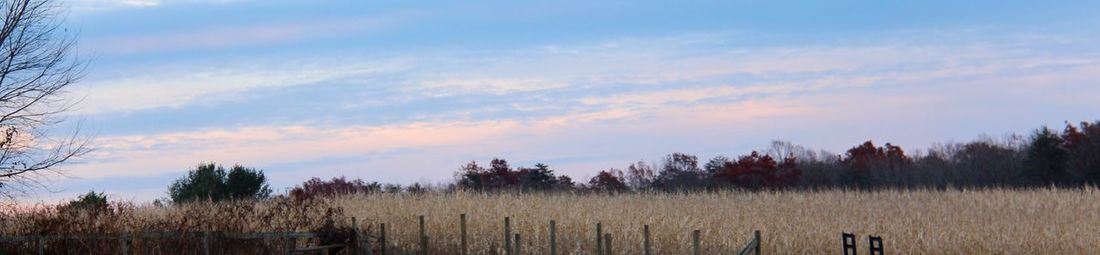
400, 91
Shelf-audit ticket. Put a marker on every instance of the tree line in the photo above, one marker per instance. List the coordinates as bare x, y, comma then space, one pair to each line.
1066, 158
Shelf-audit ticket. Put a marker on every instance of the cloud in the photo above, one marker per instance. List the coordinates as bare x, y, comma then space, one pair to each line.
626, 75
151, 155
582, 106
181, 87
157, 154
94, 6
223, 37
498, 86
676, 120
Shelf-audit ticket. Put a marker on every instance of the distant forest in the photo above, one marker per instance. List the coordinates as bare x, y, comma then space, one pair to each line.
1066, 158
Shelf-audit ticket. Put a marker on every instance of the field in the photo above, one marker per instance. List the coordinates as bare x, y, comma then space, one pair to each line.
919, 222
1048, 221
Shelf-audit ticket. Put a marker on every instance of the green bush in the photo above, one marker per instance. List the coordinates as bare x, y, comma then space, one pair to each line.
213, 182
90, 202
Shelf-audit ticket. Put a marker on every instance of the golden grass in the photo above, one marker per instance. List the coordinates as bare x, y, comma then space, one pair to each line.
998, 221
239, 216
1042, 221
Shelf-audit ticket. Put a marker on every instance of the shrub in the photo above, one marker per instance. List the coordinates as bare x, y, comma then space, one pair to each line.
91, 202
316, 187
211, 182
246, 183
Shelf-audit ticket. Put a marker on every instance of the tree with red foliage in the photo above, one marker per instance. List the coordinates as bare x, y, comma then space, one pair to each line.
865, 157
609, 180
500, 175
1083, 145
314, 188
757, 171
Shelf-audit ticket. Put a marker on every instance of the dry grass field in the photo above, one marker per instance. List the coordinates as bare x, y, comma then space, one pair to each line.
1046, 221
1043, 221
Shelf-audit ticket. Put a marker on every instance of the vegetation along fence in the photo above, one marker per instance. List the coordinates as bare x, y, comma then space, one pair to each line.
357, 243
206, 243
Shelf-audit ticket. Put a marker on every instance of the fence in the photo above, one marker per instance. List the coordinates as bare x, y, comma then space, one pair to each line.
848, 242
513, 241
198, 242
62, 244
358, 243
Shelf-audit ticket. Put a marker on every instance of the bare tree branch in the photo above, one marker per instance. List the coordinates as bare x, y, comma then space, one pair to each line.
36, 67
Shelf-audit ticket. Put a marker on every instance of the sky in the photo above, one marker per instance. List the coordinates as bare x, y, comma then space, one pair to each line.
408, 91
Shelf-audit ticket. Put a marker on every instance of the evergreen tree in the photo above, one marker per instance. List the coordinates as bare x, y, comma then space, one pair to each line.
212, 182
1045, 162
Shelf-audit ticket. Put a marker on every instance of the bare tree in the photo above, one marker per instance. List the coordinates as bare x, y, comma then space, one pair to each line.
640, 176
36, 67
782, 150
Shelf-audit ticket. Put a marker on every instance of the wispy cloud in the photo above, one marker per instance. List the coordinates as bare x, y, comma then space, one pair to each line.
242, 35
499, 86
603, 102
184, 86
93, 6
619, 73
150, 155
156, 154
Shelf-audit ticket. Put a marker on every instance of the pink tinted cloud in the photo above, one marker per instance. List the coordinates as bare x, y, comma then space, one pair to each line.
150, 155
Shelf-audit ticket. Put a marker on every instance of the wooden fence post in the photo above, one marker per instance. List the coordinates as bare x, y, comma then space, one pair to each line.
553, 238
382, 238
66, 245
607, 244
462, 228
423, 237
291, 243
759, 241
695, 242
146, 246
645, 241
518, 244
848, 240
875, 243
123, 245
354, 236
41, 245
206, 242
599, 238
367, 242
508, 235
